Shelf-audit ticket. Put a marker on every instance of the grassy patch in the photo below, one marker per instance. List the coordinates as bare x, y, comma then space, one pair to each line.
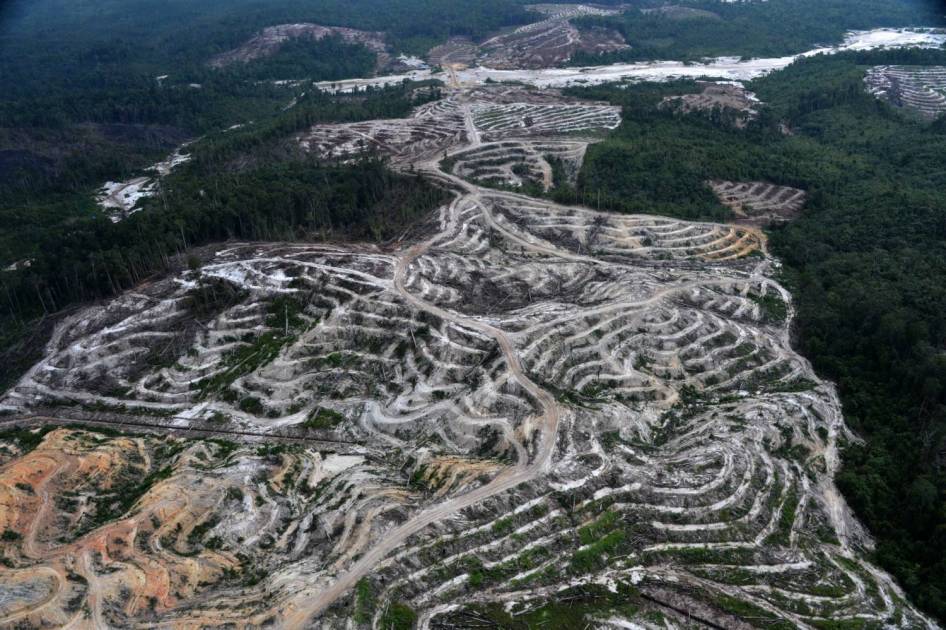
398, 616
25, 439
596, 530
322, 418
572, 608
283, 316
595, 555
364, 601
773, 307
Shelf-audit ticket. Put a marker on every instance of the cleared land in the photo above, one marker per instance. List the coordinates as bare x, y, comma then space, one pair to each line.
269, 40
918, 89
759, 203
120, 199
729, 99
548, 42
537, 410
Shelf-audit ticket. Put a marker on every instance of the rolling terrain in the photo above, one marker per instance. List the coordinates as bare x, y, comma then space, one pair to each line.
388, 361
526, 409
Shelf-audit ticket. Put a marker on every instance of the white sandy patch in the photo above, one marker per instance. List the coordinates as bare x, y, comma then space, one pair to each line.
120, 199
725, 68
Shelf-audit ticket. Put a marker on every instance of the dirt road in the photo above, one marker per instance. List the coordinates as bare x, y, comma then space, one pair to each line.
547, 426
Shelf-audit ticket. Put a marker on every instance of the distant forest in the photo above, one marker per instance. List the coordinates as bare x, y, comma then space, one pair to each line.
710, 28
866, 263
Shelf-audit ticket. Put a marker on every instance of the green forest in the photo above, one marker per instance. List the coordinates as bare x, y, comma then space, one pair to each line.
865, 262
244, 184
83, 103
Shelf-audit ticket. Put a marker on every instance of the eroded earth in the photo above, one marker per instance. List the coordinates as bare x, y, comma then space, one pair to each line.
525, 411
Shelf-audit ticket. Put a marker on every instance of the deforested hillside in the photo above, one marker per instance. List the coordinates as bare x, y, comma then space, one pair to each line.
918, 89
521, 407
759, 202
863, 258
364, 314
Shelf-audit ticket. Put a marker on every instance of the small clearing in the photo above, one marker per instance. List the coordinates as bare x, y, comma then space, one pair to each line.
269, 40
917, 89
759, 203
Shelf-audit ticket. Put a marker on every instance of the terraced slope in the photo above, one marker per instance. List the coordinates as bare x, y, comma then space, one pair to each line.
549, 41
269, 40
517, 162
759, 203
432, 129
538, 412
918, 89
512, 134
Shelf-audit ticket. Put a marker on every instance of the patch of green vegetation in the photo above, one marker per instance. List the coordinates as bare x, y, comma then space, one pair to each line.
398, 616
235, 494
569, 609
773, 307
285, 313
750, 612
782, 534
364, 601
599, 528
116, 502
846, 624
503, 526
224, 449
200, 530
323, 419
610, 440
258, 352
252, 405
595, 555
704, 555
25, 439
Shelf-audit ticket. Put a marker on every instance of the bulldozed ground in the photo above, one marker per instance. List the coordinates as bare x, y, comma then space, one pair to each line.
269, 40
729, 99
550, 41
920, 90
537, 412
759, 203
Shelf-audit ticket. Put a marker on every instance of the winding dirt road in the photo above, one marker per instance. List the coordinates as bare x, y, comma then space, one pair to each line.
511, 477
307, 605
